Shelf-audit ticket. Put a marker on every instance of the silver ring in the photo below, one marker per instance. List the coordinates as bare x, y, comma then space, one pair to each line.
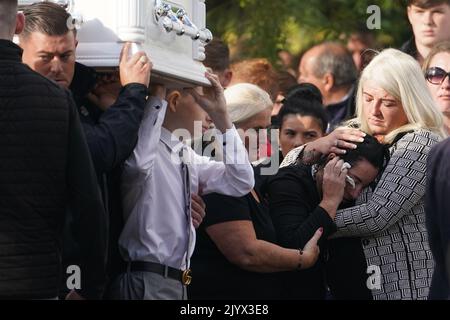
143, 60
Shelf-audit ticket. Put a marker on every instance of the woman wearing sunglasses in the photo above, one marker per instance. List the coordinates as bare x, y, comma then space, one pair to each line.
437, 73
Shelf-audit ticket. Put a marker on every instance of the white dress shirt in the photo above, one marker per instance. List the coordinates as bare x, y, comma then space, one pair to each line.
158, 225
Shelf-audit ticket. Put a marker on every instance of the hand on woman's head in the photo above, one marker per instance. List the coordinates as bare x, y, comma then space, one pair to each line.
338, 141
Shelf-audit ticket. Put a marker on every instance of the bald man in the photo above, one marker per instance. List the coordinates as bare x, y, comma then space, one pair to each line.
330, 67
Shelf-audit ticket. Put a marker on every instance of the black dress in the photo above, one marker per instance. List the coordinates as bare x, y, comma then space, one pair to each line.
296, 214
214, 277
293, 200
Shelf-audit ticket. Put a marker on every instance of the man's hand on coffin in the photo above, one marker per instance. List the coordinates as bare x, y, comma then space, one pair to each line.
106, 91
135, 69
213, 102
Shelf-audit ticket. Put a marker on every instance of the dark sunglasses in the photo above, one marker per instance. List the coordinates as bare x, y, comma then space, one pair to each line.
436, 75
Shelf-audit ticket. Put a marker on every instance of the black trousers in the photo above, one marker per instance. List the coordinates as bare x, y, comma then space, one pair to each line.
346, 270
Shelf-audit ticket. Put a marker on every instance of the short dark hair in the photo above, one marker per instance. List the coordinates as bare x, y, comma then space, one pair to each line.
8, 9
370, 149
217, 55
336, 59
425, 4
306, 100
46, 17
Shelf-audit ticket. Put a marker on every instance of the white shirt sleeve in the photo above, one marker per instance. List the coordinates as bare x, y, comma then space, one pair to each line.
234, 176
140, 164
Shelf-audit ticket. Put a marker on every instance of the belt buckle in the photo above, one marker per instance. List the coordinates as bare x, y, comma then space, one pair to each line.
187, 277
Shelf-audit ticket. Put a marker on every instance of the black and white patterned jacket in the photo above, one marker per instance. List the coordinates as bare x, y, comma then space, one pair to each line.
391, 220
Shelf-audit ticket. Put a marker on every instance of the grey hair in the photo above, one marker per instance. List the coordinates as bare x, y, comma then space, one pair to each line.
245, 100
334, 58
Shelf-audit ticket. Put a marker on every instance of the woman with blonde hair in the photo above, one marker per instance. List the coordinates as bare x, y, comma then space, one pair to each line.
437, 72
250, 108
394, 105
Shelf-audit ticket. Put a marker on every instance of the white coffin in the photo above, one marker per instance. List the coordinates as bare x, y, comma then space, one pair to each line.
104, 25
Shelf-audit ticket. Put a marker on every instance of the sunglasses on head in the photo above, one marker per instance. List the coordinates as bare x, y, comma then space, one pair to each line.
436, 75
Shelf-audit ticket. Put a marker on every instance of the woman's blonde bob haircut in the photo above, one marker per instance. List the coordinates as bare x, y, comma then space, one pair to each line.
245, 100
438, 48
400, 75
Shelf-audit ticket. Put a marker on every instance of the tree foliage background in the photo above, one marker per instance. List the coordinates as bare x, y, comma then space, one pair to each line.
258, 28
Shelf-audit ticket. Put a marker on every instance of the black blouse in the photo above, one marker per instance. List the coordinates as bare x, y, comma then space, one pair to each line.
214, 277
294, 200
296, 214
294, 207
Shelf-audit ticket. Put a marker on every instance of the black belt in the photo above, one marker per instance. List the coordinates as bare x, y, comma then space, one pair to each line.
184, 277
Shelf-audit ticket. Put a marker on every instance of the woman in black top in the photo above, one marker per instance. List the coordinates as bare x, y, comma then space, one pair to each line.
303, 198
301, 119
221, 273
236, 247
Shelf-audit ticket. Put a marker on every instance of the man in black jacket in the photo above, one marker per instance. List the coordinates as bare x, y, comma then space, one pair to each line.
45, 168
49, 48
437, 208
